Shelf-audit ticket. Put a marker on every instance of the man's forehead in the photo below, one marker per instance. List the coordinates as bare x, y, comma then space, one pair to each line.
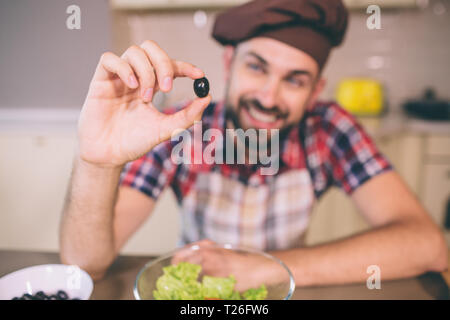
277, 53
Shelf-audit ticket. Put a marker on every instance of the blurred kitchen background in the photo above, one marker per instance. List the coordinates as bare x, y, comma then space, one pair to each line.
46, 69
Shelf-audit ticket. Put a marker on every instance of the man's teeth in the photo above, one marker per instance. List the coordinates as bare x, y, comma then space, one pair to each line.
260, 116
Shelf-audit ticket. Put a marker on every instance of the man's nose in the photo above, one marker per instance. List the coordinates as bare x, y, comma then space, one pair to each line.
268, 95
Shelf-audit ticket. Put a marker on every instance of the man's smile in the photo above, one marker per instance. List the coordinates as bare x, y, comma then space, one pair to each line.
259, 117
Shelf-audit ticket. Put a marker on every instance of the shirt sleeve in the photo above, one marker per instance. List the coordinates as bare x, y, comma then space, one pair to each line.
353, 156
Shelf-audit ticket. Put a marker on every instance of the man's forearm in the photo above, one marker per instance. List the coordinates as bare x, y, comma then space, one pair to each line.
86, 233
399, 250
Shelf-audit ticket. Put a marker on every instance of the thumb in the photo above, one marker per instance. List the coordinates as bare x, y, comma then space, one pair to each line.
183, 119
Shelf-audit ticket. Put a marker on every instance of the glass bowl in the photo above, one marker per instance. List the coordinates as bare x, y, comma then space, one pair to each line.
278, 280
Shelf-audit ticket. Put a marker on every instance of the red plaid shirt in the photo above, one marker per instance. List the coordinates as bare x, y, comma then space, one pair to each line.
235, 203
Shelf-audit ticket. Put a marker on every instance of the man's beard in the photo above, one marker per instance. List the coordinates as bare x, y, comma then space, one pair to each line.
232, 116
268, 141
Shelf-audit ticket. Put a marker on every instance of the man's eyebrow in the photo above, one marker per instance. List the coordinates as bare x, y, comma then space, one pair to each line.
257, 56
290, 74
300, 72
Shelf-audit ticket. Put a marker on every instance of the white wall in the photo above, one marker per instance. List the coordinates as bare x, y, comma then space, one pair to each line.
43, 64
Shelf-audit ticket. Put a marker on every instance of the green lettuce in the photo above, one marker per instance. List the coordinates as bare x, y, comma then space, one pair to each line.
184, 271
219, 288
256, 294
179, 282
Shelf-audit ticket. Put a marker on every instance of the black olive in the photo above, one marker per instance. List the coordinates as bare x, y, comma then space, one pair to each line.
27, 296
62, 295
201, 87
41, 295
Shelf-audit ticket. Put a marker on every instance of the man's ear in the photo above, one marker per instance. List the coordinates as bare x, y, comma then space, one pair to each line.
228, 56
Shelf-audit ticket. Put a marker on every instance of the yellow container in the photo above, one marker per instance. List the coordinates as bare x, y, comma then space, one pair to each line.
360, 96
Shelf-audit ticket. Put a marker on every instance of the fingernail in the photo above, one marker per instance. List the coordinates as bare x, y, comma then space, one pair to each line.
148, 94
167, 83
132, 81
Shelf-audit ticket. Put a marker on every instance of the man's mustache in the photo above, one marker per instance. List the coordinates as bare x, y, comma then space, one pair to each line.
276, 111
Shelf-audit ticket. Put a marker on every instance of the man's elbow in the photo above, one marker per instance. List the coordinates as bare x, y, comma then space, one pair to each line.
96, 271
438, 246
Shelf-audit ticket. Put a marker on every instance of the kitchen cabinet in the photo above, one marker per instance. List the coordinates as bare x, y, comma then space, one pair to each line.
354, 4
172, 4
35, 168
438, 146
183, 4
435, 193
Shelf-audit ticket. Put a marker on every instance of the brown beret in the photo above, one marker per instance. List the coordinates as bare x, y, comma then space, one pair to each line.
313, 26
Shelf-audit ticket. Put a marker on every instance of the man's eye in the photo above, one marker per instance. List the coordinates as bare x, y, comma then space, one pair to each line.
296, 82
255, 67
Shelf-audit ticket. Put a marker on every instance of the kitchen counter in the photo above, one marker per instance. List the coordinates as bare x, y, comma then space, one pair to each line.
394, 123
119, 281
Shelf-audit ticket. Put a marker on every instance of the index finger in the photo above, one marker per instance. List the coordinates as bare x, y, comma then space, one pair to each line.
185, 69
167, 69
